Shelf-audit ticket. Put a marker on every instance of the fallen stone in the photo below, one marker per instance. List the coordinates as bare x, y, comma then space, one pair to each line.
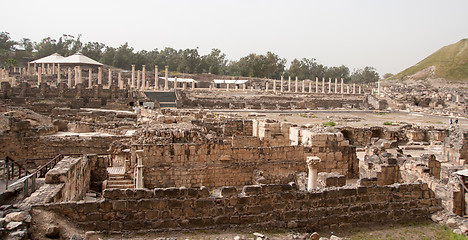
52, 231
76, 237
451, 223
15, 217
256, 234
333, 237
457, 231
314, 236
292, 224
20, 234
13, 225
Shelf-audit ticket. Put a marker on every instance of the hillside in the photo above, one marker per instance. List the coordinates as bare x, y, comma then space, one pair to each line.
449, 62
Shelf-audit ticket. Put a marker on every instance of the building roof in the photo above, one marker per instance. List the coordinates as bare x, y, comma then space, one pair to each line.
77, 58
186, 80
54, 58
462, 173
218, 81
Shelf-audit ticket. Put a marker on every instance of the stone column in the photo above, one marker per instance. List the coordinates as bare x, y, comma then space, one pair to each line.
354, 88
274, 85
303, 86
296, 86
193, 84
316, 85
329, 85
119, 79
323, 85
39, 77
69, 78
44, 69
227, 87
28, 71
80, 75
266, 86
58, 74
175, 83
312, 163
243, 86
143, 77
166, 80
53, 68
336, 85
138, 80
35, 68
90, 78
110, 79
359, 89
347, 89
133, 76
310, 86
139, 170
378, 87
100, 76
156, 78
281, 84
48, 68
289, 84
342, 86
76, 75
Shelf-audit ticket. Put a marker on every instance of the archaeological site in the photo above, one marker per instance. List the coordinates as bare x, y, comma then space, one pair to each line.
88, 151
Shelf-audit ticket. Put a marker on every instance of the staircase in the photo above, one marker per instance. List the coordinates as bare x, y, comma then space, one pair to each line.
117, 179
165, 99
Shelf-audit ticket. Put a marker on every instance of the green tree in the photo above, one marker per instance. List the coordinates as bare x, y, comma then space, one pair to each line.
93, 50
7, 46
366, 75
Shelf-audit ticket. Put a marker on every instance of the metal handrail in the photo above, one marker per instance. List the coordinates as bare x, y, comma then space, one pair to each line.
9, 170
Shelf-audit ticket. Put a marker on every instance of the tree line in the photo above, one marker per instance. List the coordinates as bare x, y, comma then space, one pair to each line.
188, 60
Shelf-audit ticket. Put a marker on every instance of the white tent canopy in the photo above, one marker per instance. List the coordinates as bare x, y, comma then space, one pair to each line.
54, 58
219, 81
77, 58
182, 80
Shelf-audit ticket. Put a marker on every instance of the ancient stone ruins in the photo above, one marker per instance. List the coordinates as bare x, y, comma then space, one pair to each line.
89, 150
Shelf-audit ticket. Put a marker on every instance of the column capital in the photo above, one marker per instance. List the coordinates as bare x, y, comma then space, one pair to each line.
313, 161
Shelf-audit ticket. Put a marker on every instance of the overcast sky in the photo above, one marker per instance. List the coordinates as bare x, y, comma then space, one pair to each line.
388, 35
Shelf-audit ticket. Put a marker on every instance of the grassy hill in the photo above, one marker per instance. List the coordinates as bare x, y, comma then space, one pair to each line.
450, 62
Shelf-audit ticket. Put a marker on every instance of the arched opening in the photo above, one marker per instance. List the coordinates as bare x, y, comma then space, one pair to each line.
377, 133
348, 135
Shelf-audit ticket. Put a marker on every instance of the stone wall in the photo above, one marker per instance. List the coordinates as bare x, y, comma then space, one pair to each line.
401, 134
202, 98
264, 206
217, 164
18, 147
226, 127
334, 151
69, 180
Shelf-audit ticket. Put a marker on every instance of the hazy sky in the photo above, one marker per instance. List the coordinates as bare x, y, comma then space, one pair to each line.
389, 35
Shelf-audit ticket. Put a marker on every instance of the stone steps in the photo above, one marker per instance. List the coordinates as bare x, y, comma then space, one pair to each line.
116, 179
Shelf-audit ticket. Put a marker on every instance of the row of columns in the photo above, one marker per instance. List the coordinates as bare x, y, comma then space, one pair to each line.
138, 83
317, 88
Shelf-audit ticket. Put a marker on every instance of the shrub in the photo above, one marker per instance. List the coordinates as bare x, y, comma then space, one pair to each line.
329, 124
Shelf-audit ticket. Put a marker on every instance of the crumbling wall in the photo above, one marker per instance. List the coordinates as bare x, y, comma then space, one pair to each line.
271, 132
335, 153
67, 181
34, 147
264, 206
216, 164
